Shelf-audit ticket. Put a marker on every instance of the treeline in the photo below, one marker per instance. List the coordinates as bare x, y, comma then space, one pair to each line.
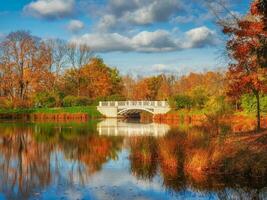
53, 73
35, 72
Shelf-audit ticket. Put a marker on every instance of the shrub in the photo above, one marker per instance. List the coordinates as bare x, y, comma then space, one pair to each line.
70, 101
218, 106
199, 97
82, 101
5, 103
183, 101
47, 100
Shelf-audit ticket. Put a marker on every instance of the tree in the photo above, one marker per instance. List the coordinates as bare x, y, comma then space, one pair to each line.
96, 79
247, 71
59, 50
78, 55
164, 91
25, 64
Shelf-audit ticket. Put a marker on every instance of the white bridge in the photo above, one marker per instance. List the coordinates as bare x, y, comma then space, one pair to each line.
113, 109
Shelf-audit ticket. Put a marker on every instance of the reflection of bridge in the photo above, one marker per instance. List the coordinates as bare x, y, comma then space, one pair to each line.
122, 108
112, 127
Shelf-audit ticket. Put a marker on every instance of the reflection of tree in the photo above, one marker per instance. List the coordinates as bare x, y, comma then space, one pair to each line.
93, 151
189, 158
143, 157
31, 156
24, 164
171, 153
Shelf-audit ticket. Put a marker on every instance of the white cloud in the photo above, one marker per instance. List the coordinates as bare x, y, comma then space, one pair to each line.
75, 26
182, 19
50, 9
200, 37
156, 41
107, 22
104, 42
137, 12
159, 40
156, 11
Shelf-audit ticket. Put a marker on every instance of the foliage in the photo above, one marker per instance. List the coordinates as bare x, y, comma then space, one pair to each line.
218, 106
246, 47
249, 102
199, 97
47, 100
183, 101
70, 101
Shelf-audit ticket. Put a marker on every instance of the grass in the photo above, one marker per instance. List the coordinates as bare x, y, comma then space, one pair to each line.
90, 110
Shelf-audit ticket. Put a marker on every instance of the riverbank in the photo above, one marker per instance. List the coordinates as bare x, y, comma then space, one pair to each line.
237, 122
62, 113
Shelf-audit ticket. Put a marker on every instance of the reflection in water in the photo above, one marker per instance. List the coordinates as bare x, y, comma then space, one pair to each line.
74, 161
115, 128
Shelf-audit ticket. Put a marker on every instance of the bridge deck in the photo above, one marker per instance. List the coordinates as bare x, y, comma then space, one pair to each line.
133, 103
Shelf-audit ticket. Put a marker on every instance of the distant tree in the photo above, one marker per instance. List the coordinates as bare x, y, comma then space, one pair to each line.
78, 55
128, 87
164, 90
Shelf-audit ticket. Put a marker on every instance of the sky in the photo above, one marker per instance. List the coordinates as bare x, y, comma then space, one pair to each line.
139, 37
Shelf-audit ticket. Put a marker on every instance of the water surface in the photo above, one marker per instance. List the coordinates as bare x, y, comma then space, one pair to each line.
111, 160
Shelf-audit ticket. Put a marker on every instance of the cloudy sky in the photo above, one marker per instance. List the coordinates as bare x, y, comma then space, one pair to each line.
137, 36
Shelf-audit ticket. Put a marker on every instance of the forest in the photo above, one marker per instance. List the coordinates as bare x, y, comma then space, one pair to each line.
49, 73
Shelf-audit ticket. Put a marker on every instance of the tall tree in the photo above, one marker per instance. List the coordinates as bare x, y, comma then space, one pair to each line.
247, 71
25, 62
78, 56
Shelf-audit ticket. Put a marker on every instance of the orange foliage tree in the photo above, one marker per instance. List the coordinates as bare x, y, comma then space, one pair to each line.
25, 64
248, 39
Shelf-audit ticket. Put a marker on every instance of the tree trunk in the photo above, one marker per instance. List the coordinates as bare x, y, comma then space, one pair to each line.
258, 111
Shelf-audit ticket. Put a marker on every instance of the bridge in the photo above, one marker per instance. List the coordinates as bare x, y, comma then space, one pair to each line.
114, 109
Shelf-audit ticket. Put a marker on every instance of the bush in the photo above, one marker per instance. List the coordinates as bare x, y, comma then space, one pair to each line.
5, 103
70, 101
248, 103
82, 101
199, 97
47, 100
183, 101
218, 106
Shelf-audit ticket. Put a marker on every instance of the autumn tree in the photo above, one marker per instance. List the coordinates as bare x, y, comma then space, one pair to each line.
96, 79
247, 49
25, 63
128, 87
93, 80
78, 55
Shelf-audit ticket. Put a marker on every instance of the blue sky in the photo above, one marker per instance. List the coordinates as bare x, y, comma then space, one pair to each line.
137, 36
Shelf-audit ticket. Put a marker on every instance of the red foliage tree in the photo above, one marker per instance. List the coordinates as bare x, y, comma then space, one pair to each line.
247, 49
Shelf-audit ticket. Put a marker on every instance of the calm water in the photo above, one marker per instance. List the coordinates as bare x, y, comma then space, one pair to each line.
109, 160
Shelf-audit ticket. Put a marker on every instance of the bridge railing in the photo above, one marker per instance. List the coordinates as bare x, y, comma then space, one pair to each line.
133, 103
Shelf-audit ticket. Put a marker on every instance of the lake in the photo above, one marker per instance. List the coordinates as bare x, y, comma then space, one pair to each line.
113, 159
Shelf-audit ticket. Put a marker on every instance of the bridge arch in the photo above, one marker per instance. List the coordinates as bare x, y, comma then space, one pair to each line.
128, 111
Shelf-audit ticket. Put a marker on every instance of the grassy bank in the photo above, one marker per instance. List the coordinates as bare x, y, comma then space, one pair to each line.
91, 111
